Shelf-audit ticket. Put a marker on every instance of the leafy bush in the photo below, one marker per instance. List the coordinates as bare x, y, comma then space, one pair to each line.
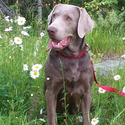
112, 21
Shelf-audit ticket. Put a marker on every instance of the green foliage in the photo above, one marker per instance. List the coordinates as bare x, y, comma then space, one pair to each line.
16, 85
15, 6
112, 21
96, 4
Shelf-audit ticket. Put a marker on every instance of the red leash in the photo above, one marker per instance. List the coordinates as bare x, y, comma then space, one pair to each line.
107, 88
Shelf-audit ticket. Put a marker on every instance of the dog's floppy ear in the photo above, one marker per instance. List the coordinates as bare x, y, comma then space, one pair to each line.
50, 15
85, 23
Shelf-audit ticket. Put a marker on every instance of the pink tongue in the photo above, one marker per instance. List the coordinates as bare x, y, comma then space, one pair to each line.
49, 46
58, 44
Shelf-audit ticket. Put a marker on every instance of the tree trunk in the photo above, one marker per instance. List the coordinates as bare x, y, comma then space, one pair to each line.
6, 10
82, 3
40, 15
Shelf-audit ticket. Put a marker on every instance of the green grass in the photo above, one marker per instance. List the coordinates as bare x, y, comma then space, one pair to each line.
18, 107
106, 41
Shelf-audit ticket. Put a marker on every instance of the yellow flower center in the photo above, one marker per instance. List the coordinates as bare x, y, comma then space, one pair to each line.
21, 21
101, 90
18, 40
37, 67
117, 77
79, 119
35, 73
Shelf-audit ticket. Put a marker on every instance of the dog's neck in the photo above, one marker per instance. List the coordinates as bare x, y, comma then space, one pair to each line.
75, 47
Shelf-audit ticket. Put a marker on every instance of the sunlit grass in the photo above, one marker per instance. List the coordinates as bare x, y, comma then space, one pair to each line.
107, 42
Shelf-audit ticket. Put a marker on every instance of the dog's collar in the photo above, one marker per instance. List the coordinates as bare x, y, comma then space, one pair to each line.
74, 57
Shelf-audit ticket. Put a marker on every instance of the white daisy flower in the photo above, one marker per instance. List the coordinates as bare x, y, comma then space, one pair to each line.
11, 20
37, 67
79, 118
123, 56
117, 77
8, 29
25, 67
42, 120
34, 74
24, 33
41, 34
21, 20
94, 121
28, 27
123, 89
100, 90
7, 18
10, 57
41, 111
123, 38
11, 42
18, 40
0, 37
31, 94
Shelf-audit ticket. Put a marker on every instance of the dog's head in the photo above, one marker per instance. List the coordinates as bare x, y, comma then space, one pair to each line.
65, 23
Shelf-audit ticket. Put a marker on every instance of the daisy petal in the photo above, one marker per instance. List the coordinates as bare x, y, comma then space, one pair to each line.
117, 77
94, 121
101, 90
18, 40
37, 67
34, 74
21, 20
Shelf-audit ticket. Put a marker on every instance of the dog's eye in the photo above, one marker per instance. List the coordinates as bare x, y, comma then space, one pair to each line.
54, 15
68, 18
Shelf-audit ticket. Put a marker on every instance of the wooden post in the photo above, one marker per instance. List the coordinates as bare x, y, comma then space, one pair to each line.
82, 3
40, 16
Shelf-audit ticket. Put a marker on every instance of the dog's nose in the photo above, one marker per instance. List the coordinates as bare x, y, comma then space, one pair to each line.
51, 30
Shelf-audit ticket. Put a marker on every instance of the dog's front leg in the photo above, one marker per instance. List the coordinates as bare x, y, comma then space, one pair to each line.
51, 107
85, 106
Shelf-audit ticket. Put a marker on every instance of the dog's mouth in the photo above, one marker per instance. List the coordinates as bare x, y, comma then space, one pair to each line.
58, 45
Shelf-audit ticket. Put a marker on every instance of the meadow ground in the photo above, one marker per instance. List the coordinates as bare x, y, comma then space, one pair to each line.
22, 101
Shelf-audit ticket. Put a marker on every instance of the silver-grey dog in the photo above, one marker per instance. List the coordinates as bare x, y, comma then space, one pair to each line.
67, 26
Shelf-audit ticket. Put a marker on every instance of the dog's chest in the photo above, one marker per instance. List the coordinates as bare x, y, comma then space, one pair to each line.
71, 70
73, 67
